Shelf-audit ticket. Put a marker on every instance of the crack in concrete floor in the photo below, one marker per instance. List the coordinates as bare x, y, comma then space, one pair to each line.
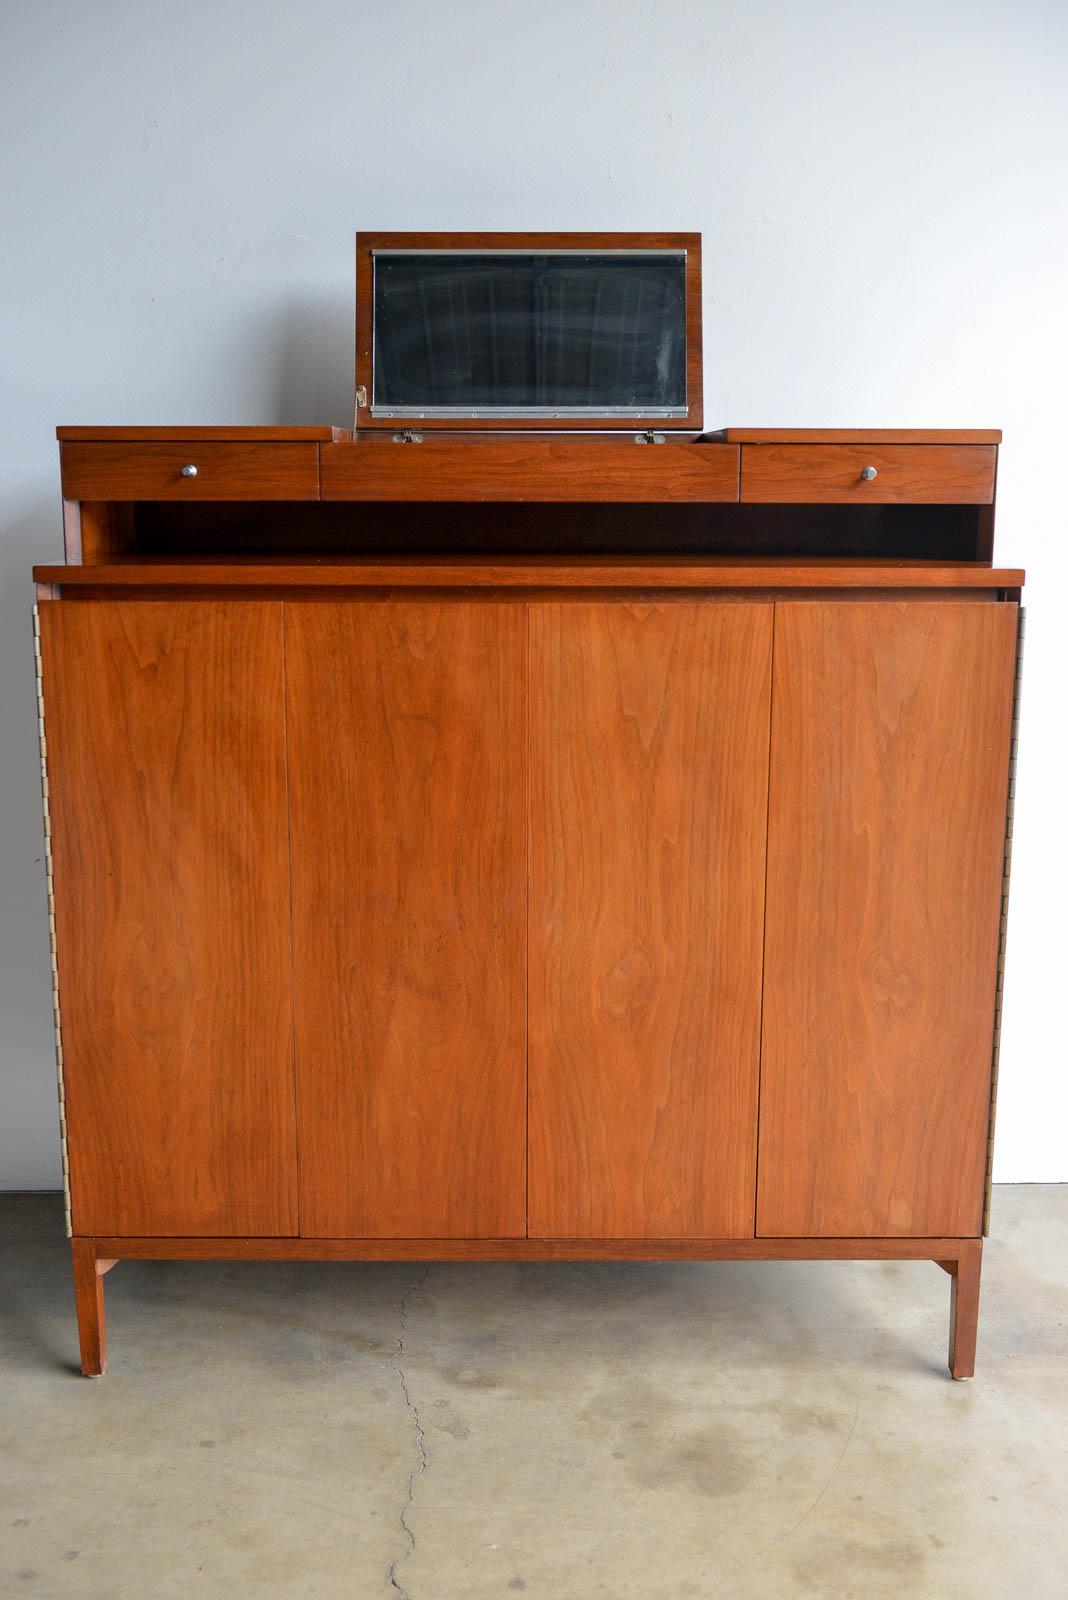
420, 1436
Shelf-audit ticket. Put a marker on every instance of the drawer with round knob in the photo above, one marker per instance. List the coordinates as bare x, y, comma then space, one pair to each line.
189, 470
918, 474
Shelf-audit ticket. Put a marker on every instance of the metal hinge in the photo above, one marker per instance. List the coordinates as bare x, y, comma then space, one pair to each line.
407, 436
649, 437
999, 993
51, 890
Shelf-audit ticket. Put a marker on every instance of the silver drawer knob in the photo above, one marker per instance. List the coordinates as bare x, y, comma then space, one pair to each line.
868, 473
190, 471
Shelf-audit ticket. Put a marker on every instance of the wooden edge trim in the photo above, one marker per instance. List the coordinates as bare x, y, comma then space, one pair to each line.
525, 597
863, 435
293, 1249
250, 434
50, 890
999, 991
620, 574
72, 531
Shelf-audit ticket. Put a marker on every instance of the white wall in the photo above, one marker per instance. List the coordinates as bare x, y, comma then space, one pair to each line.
881, 189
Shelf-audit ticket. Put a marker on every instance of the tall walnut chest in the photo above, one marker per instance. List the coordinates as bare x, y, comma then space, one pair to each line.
501, 831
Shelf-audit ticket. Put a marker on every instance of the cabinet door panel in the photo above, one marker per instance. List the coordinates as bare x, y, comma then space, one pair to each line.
407, 740
889, 769
648, 770
166, 763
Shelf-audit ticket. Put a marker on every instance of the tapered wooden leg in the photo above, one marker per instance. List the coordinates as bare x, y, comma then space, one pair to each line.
89, 1303
964, 1309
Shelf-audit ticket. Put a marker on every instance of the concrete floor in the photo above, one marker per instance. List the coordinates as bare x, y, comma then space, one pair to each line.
591, 1432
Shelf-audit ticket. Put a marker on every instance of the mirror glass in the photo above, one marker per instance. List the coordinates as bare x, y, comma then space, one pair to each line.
561, 333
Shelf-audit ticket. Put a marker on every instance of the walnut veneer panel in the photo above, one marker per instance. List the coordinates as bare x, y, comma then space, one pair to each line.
530, 470
135, 470
648, 773
407, 741
890, 746
830, 474
166, 765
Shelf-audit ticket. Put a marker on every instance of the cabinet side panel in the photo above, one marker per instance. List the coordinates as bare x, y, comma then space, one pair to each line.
166, 764
649, 760
889, 769
407, 739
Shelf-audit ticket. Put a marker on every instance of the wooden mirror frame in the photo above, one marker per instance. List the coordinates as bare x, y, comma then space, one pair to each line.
368, 243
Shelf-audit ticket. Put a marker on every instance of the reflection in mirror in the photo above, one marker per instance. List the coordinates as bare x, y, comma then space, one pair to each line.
510, 333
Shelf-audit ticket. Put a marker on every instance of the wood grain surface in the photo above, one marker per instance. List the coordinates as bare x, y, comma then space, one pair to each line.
863, 435
166, 765
532, 470
944, 1251
134, 470
407, 741
220, 433
523, 572
89, 1308
831, 473
648, 772
889, 768
966, 1272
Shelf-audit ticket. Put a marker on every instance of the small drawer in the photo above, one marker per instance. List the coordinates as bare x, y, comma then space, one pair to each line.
920, 474
190, 471
533, 469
